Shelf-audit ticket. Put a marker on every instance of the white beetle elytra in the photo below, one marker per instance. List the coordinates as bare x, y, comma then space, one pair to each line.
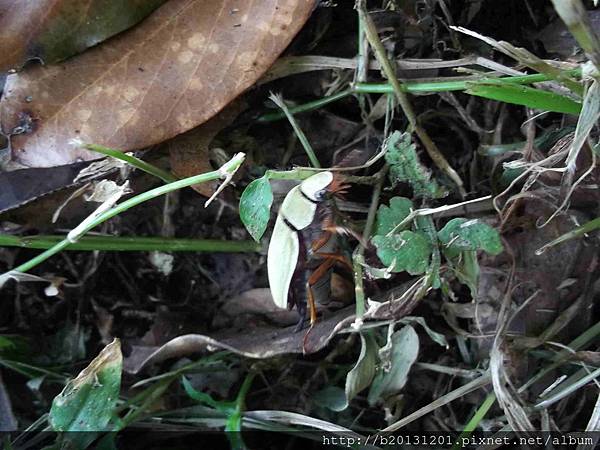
297, 212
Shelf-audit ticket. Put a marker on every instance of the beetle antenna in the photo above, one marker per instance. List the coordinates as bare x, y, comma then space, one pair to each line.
338, 187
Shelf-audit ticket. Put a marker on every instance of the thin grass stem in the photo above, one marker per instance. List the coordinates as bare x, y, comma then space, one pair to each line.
127, 244
133, 161
226, 170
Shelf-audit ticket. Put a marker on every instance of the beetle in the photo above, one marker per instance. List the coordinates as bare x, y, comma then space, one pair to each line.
301, 251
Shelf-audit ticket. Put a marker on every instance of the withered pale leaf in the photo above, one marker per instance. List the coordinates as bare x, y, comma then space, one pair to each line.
172, 72
257, 343
52, 30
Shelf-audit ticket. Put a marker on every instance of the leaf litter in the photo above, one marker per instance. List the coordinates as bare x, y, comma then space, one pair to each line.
511, 331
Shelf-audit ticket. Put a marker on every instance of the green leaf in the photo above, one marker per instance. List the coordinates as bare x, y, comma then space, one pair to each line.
468, 271
15, 347
509, 174
436, 337
392, 376
388, 217
363, 372
255, 207
523, 95
407, 251
86, 403
6, 343
461, 234
332, 397
403, 250
203, 398
405, 167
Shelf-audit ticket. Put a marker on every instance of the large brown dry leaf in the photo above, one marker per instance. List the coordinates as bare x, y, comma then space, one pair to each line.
189, 152
175, 70
52, 30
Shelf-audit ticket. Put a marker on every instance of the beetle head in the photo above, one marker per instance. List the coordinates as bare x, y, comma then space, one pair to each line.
323, 185
315, 187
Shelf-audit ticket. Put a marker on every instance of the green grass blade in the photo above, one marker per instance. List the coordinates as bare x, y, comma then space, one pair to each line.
525, 96
133, 161
278, 100
309, 106
580, 231
411, 87
477, 417
125, 243
451, 84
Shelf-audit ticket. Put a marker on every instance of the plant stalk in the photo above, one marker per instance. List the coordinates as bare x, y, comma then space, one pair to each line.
226, 170
126, 243
434, 153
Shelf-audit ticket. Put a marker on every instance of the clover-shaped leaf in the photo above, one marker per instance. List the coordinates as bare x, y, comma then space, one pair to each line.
388, 217
406, 251
461, 234
405, 167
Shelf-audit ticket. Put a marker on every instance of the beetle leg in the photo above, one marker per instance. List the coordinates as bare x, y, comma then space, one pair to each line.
345, 231
314, 277
313, 314
336, 257
323, 239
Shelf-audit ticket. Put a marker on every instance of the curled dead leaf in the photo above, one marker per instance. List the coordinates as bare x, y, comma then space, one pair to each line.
254, 343
23, 186
266, 341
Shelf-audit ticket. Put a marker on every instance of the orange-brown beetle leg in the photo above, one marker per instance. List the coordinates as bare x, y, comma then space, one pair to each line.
319, 272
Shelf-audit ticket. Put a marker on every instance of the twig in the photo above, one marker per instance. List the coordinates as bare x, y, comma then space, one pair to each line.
358, 256
434, 153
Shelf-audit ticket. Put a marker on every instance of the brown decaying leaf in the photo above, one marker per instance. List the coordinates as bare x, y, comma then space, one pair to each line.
265, 341
174, 71
189, 152
23, 186
254, 343
257, 302
52, 30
